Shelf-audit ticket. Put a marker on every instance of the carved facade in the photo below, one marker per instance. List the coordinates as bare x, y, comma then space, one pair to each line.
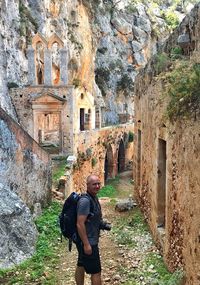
49, 109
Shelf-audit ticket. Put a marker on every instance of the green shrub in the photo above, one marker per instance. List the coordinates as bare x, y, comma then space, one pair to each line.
93, 161
59, 171
76, 82
183, 88
162, 61
102, 77
176, 53
107, 191
125, 84
130, 136
171, 19
102, 50
12, 85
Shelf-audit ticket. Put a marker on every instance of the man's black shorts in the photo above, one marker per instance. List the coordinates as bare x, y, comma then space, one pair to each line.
91, 263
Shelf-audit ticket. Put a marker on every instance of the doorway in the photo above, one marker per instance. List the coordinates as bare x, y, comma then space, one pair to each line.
161, 183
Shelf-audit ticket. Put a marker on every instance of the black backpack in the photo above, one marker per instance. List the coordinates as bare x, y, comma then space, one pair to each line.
68, 217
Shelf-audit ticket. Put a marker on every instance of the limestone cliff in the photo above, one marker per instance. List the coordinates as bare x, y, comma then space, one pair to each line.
107, 41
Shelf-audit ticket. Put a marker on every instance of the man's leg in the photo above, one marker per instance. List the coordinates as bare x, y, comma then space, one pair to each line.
79, 275
96, 279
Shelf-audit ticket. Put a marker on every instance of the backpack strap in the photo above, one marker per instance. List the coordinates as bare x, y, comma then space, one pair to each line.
86, 195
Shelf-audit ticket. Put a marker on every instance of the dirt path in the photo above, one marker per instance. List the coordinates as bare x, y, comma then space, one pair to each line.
111, 255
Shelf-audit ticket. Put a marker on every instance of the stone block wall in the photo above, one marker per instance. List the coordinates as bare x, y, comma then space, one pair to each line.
92, 148
166, 160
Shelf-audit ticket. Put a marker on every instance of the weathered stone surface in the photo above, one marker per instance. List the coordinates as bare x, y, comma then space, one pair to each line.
136, 46
167, 159
121, 25
125, 205
104, 28
99, 142
183, 39
17, 230
24, 166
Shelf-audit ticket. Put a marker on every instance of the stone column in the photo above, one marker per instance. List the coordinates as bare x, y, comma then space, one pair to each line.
100, 118
72, 114
47, 67
63, 66
31, 66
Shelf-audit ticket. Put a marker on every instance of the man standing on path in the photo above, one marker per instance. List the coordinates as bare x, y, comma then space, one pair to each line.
89, 224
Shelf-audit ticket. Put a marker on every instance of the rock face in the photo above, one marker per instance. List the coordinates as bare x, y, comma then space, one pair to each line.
167, 150
108, 41
25, 180
24, 166
17, 230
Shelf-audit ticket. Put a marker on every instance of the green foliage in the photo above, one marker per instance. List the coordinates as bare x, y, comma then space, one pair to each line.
171, 19
12, 85
131, 7
76, 82
129, 230
102, 50
81, 158
125, 84
130, 136
102, 77
72, 37
43, 262
116, 65
164, 276
25, 20
60, 171
93, 161
176, 53
162, 61
127, 227
176, 278
183, 88
89, 152
107, 191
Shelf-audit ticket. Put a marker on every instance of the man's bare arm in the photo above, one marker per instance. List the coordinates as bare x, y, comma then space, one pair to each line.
81, 219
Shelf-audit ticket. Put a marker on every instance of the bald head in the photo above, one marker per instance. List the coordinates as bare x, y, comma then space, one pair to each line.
91, 178
93, 184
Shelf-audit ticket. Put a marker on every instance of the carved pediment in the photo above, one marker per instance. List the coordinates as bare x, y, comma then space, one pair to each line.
55, 39
38, 38
47, 98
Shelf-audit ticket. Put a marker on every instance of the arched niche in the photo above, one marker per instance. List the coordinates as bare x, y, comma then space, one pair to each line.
39, 62
108, 164
55, 53
39, 44
55, 39
121, 157
38, 38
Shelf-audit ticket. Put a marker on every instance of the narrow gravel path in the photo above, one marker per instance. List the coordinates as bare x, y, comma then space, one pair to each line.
118, 261
110, 257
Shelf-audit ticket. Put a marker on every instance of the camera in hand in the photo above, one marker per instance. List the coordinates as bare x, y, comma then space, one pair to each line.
105, 226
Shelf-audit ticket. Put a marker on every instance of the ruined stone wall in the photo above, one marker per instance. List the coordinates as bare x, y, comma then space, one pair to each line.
24, 167
92, 151
171, 206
